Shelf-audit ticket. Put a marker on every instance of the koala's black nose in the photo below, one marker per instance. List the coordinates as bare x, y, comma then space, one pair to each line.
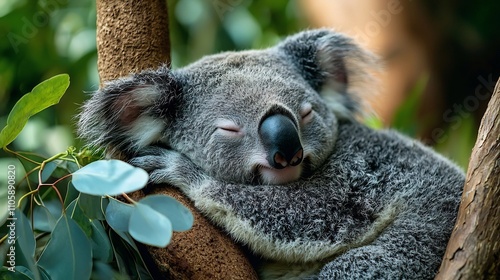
281, 140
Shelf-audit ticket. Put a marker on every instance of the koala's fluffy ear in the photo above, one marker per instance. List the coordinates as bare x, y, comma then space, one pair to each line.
334, 65
130, 113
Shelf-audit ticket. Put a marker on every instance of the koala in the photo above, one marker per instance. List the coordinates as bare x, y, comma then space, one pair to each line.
268, 145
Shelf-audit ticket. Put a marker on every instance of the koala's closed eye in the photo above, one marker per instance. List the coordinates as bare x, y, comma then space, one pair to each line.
228, 127
306, 113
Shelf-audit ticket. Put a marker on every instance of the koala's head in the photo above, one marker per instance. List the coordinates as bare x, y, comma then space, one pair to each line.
263, 116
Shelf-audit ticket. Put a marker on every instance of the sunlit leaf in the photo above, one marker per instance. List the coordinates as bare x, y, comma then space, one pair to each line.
68, 254
149, 226
180, 217
118, 215
44, 95
109, 177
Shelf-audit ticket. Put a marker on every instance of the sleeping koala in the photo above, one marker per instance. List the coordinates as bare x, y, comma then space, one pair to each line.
266, 144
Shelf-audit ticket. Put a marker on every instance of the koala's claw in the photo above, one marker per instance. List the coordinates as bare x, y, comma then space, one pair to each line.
167, 166
148, 163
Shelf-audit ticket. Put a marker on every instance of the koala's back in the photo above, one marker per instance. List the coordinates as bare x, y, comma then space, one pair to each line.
379, 193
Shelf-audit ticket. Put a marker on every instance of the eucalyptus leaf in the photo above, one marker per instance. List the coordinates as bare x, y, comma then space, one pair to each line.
71, 166
43, 274
103, 271
125, 236
91, 206
44, 95
24, 234
43, 220
48, 170
101, 247
20, 273
128, 257
79, 217
181, 218
118, 215
71, 194
109, 177
68, 255
122, 253
24, 243
55, 208
149, 226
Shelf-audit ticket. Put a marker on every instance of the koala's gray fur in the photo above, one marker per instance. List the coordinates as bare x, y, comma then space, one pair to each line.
363, 204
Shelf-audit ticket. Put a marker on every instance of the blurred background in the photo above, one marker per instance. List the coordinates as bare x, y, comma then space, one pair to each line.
442, 58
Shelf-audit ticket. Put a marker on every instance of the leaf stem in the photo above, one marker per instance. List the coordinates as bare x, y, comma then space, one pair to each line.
25, 195
128, 198
3, 238
19, 155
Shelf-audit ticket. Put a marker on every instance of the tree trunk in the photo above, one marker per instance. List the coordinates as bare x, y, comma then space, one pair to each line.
134, 36
473, 251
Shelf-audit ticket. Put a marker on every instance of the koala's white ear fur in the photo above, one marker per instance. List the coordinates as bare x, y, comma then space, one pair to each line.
335, 66
129, 113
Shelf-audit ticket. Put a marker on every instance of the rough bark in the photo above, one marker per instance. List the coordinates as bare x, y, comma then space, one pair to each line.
473, 251
133, 36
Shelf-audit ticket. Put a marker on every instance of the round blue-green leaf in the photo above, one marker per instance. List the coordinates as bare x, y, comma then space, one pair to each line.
180, 217
109, 177
149, 226
118, 214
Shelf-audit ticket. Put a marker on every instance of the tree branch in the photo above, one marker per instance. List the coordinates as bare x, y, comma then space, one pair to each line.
473, 251
134, 36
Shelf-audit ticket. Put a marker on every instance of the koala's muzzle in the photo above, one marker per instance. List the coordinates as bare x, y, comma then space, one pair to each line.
281, 141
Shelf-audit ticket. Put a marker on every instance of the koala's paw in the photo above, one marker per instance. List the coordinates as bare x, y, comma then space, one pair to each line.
168, 166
